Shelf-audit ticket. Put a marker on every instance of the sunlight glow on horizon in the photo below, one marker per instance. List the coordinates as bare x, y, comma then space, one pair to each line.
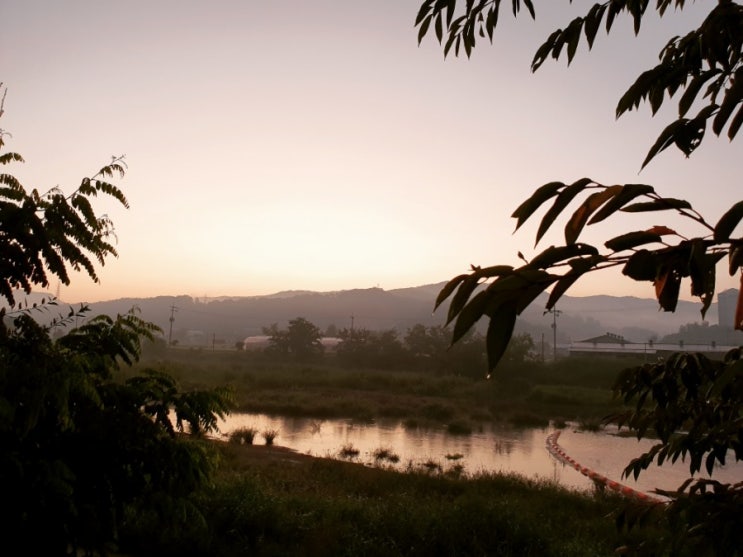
293, 147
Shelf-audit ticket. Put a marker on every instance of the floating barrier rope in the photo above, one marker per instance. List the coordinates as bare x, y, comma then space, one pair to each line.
601, 481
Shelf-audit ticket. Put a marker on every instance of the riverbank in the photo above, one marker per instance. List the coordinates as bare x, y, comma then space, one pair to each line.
271, 501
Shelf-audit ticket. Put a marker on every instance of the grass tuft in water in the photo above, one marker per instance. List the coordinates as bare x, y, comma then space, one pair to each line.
243, 435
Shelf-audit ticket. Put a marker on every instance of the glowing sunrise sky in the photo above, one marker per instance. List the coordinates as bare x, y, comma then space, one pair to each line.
310, 144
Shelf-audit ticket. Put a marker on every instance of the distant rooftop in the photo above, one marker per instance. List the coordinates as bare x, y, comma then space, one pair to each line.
607, 338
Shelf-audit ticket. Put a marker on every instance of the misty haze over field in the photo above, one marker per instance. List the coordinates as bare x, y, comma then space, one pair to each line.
230, 319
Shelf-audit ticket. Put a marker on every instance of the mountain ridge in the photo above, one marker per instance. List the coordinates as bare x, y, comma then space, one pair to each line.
234, 318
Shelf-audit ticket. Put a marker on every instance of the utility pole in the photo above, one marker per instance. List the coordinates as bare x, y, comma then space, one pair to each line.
555, 313
542, 347
352, 317
173, 309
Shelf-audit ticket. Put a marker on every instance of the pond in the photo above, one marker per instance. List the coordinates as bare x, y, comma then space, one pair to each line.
492, 448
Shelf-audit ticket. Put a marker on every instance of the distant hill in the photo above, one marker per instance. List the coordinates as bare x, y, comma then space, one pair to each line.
230, 319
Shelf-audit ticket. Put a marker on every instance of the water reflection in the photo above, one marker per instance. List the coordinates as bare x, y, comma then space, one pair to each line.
493, 448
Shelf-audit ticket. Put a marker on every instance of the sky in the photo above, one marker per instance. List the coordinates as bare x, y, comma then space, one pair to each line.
314, 145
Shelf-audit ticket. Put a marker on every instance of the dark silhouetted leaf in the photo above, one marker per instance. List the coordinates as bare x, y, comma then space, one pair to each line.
733, 97
553, 255
632, 240
424, 28
470, 314
593, 22
627, 194
423, 11
735, 260
726, 225
739, 307
530, 7
465, 290
657, 205
667, 288
692, 90
572, 37
527, 208
641, 266
665, 140
544, 50
702, 267
590, 205
579, 267
500, 330
661, 230
493, 271
562, 201
448, 289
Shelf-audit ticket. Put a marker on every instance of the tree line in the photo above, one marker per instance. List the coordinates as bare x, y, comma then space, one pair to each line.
420, 348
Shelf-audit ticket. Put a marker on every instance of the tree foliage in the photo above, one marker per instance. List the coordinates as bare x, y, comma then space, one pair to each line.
692, 404
707, 60
82, 448
360, 347
300, 340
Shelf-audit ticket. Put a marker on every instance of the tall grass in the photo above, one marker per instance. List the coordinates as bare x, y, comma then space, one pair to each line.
319, 507
569, 389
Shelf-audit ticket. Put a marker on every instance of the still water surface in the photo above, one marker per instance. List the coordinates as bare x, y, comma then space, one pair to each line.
493, 448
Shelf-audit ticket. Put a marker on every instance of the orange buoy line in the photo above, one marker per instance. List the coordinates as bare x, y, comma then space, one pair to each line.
558, 452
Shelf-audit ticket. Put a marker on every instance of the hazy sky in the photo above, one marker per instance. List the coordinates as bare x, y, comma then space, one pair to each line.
313, 145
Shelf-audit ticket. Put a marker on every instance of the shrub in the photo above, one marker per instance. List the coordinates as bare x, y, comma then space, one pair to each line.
269, 435
381, 454
243, 435
348, 451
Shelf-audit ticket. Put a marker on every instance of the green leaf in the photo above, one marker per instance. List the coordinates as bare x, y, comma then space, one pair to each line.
500, 330
562, 201
727, 223
732, 372
632, 240
542, 194
590, 205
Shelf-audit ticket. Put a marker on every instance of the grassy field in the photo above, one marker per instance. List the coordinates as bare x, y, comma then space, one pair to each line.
529, 394
268, 501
